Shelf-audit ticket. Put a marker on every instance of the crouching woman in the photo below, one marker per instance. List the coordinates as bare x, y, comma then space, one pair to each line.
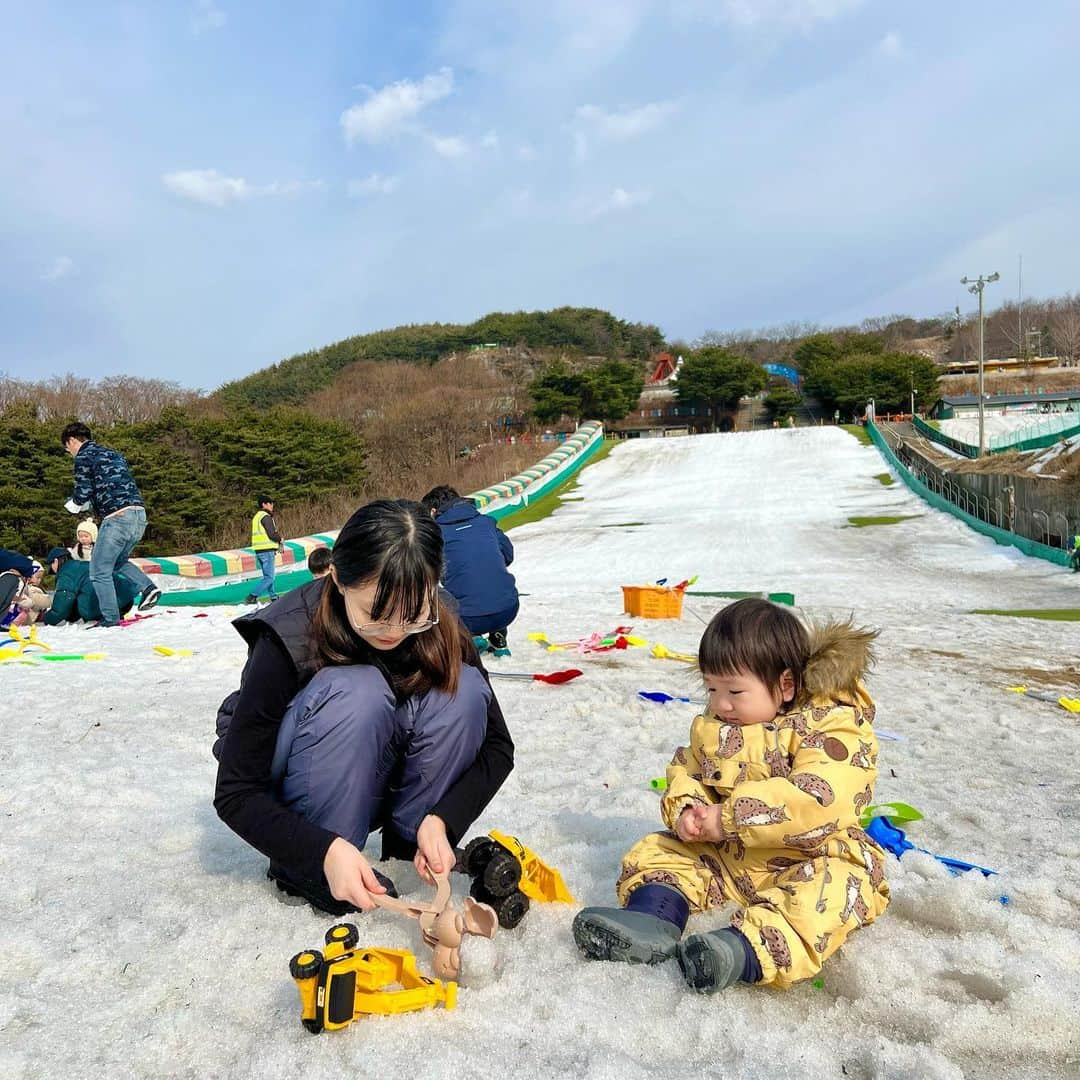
362, 706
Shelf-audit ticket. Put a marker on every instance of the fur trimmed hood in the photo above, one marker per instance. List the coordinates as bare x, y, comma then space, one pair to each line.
841, 653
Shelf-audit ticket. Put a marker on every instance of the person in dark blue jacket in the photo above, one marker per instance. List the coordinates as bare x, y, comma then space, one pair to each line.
103, 483
476, 553
15, 570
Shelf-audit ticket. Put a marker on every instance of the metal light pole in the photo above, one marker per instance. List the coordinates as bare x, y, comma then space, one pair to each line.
977, 287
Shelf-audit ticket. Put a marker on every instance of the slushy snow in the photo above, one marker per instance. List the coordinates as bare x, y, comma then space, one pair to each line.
141, 937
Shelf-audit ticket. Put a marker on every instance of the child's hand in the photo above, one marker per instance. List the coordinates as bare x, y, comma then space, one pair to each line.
686, 826
699, 824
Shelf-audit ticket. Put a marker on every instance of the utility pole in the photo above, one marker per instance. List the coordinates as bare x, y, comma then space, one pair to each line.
977, 287
1020, 308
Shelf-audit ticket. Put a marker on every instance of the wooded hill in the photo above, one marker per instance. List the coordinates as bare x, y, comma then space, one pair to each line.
386, 414
581, 331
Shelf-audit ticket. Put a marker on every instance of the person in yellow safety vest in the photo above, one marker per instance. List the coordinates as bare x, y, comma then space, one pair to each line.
1074, 555
265, 542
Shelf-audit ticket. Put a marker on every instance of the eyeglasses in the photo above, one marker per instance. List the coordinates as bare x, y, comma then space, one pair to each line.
385, 627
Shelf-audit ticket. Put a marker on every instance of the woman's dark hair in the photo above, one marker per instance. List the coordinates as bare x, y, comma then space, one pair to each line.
439, 498
755, 636
398, 546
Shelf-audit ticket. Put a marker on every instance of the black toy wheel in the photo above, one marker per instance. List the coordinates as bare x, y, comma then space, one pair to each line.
306, 964
502, 874
477, 855
346, 933
479, 893
511, 909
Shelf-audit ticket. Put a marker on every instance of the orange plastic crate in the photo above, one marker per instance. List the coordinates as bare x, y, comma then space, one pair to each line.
652, 601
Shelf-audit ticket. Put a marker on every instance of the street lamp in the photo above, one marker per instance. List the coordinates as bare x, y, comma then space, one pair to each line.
977, 287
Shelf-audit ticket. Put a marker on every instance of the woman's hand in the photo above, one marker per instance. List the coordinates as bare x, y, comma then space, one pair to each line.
349, 875
433, 850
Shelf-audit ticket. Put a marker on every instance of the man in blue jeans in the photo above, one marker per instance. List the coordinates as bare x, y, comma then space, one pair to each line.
103, 484
265, 542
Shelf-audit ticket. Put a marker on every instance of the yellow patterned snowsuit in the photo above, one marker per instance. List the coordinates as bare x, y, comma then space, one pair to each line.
792, 791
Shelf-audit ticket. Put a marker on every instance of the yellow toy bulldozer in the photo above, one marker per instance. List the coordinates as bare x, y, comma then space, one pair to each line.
344, 983
507, 875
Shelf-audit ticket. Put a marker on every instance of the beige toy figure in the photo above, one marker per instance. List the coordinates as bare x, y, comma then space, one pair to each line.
443, 926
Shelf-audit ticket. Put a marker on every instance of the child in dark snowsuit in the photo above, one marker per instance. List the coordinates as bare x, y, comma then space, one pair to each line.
75, 597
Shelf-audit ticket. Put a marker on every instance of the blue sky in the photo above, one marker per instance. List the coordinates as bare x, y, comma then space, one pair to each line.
194, 190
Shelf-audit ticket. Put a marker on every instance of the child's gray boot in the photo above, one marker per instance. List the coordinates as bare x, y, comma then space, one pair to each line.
646, 931
713, 961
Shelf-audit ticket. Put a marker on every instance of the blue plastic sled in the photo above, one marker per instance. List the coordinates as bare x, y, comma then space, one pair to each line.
883, 832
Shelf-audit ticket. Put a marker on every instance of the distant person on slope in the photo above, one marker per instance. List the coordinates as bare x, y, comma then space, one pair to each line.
476, 555
1074, 555
363, 705
103, 483
266, 543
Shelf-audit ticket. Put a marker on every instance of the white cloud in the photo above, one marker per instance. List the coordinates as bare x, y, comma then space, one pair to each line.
754, 14
449, 146
61, 267
490, 141
372, 185
393, 108
207, 16
620, 200
890, 45
209, 187
626, 123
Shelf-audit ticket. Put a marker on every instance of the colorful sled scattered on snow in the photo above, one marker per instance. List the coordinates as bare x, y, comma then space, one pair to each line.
886, 835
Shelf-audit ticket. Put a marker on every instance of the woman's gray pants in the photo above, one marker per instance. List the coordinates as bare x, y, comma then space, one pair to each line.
350, 759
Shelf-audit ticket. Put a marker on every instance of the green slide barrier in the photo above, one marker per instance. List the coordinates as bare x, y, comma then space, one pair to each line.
1000, 536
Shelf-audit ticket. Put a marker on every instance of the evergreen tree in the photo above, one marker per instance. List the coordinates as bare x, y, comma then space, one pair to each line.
717, 379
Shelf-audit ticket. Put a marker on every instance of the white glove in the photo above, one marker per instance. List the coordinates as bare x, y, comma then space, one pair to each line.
73, 508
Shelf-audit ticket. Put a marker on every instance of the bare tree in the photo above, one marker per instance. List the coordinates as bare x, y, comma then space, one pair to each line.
1065, 329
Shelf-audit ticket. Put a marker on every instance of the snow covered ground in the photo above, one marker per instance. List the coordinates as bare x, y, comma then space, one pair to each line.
966, 428
141, 938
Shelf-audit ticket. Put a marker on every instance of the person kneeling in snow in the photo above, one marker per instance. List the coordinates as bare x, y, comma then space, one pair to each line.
34, 602
75, 597
477, 553
363, 706
762, 809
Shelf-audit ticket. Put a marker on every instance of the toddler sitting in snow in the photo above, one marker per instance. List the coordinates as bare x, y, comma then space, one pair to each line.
762, 809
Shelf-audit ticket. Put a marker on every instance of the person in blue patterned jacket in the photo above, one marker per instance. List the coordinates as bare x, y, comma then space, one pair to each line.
103, 484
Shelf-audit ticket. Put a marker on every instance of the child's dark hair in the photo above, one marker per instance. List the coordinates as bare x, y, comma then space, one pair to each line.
755, 636
318, 562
